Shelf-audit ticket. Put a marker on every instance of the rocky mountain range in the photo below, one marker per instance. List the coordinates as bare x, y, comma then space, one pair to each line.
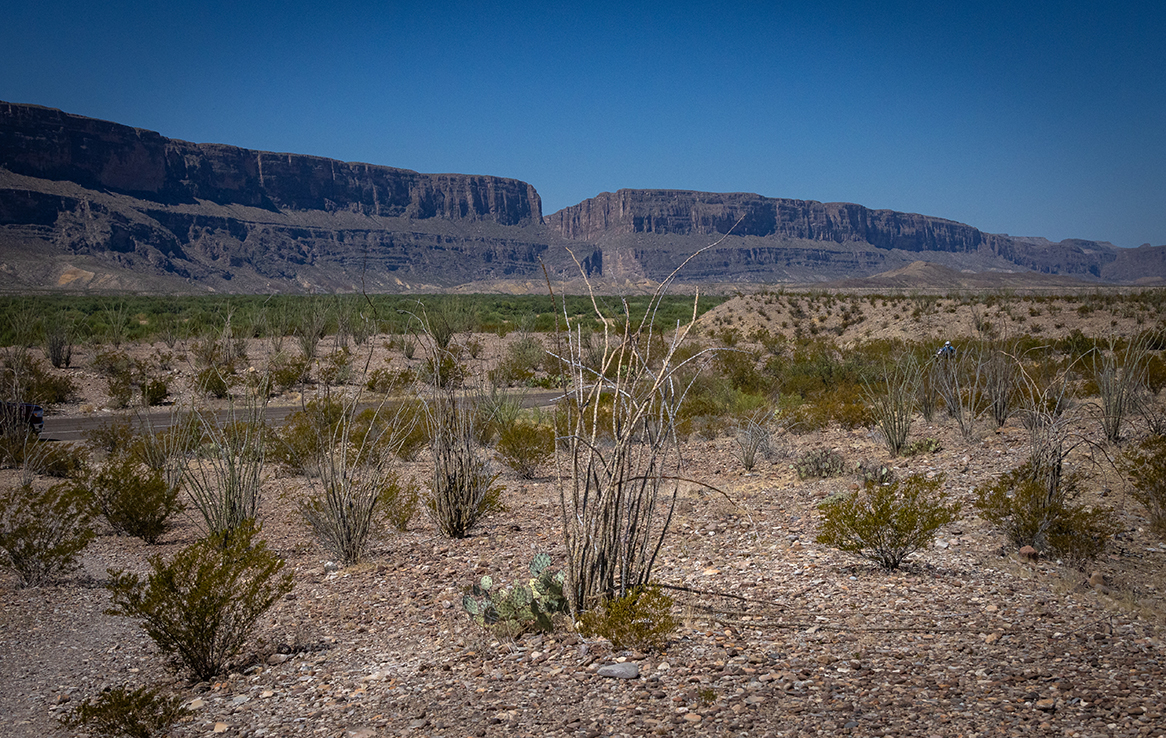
87, 204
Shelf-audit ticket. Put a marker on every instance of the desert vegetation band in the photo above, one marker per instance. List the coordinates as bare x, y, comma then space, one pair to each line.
374, 382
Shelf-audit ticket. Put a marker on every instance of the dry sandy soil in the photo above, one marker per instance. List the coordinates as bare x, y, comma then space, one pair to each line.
779, 635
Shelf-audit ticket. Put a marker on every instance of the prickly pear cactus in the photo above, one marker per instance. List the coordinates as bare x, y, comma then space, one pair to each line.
523, 606
539, 563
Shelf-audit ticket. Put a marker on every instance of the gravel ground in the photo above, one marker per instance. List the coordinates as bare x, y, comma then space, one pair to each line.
780, 636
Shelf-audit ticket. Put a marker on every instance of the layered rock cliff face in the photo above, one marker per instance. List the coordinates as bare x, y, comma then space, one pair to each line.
790, 239
50, 144
89, 204
677, 212
234, 219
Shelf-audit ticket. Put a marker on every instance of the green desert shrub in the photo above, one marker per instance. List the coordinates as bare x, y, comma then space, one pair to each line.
886, 523
443, 371
641, 620
43, 532
286, 371
214, 381
1034, 507
27, 380
112, 437
200, 607
385, 380
822, 463
519, 362
404, 424
136, 501
155, 391
34, 456
140, 713
525, 447
400, 499
306, 434
1146, 468
336, 368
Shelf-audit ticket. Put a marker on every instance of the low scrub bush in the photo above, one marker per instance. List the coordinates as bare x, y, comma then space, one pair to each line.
400, 500
138, 713
200, 607
520, 361
403, 423
1035, 507
525, 447
43, 532
820, 464
287, 372
306, 434
134, 500
886, 523
1146, 468
155, 391
336, 369
521, 607
494, 412
640, 620
443, 372
383, 381
49, 458
214, 381
27, 380
113, 437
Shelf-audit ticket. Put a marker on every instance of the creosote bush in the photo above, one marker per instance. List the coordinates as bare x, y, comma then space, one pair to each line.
1034, 505
1146, 468
641, 620
525, 447
138, 713
200, 607
886, 523
43, 532
134, 500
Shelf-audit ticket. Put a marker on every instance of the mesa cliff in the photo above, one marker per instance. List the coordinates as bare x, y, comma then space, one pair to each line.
87, 204
778, 236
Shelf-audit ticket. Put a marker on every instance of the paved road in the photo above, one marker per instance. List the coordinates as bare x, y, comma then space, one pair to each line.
71, 428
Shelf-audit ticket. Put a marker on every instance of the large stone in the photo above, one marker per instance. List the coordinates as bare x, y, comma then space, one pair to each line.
628, 670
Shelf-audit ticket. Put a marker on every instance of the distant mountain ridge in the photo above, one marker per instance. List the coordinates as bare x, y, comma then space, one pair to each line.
91, 204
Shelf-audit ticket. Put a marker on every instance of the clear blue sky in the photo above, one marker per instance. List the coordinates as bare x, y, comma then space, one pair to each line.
1029, 118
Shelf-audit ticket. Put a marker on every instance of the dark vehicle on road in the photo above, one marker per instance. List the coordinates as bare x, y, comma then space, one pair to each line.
21, 416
